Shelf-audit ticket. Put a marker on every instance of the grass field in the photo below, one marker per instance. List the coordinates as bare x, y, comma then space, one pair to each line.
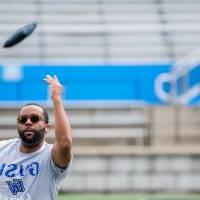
129, 197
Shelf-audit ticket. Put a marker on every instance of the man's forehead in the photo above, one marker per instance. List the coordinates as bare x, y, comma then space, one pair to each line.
31, 109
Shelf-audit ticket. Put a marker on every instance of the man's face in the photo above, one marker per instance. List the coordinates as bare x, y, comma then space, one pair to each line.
31, 126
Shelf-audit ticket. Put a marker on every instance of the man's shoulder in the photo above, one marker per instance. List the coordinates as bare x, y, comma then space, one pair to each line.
9, 142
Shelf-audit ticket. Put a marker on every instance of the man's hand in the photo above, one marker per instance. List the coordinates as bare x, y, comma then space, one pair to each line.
55, 86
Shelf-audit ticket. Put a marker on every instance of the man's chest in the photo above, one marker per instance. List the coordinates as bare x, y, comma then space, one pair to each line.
17, 178
19, 169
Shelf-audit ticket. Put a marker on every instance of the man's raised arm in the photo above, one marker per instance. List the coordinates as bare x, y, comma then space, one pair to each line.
61, 151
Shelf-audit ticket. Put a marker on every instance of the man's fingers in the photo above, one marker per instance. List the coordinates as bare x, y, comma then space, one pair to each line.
52, 80
47, 80
49, 77
56, 79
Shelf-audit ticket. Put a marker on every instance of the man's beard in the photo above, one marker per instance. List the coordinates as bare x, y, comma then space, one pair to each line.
35, 140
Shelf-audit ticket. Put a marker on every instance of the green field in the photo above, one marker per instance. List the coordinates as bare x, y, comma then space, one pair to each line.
129, 197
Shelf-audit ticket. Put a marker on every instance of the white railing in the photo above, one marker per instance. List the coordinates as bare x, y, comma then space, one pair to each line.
180, 69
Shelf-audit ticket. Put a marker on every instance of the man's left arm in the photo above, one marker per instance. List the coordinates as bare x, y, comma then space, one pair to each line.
62, 149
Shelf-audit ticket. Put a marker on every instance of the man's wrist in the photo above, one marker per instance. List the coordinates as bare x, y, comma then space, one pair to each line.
56, 99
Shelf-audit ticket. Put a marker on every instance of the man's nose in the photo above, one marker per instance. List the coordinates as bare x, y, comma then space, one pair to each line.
28, 121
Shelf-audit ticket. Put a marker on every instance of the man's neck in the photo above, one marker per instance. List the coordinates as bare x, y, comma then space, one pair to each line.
28, 149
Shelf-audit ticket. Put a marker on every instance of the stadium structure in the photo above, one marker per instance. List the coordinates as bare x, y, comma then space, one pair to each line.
130, 70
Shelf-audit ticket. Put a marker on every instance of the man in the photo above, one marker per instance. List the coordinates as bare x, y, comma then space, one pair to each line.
31, 169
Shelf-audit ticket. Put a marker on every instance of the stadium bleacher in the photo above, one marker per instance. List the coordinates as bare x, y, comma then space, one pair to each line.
103, 33
110, 124
108, 54
87, 32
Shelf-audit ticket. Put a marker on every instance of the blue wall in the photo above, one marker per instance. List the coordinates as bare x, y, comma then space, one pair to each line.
86, 82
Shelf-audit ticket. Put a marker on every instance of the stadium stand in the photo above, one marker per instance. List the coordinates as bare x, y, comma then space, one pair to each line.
119, 147
86, 32
122, 125
93, 125
96, 32
102, 31
181, 19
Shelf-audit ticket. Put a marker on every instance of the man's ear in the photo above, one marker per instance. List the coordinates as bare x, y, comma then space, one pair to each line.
47, 128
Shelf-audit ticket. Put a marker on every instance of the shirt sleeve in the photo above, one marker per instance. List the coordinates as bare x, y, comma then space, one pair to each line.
60, 173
